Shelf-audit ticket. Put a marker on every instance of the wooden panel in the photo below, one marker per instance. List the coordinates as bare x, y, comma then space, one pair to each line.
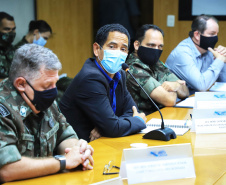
174, 35
71, 22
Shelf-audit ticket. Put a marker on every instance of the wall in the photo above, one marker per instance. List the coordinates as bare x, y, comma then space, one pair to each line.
71, 22
23, 13
174, 35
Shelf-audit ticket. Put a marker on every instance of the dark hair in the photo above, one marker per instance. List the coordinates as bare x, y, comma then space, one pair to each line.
103, 32
199, 23
4, 15
141, 31
41, 25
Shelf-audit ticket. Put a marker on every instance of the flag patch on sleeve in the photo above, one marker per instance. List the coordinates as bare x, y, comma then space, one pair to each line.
4, 111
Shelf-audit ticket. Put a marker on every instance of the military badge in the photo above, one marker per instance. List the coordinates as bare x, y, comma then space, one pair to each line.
23, 111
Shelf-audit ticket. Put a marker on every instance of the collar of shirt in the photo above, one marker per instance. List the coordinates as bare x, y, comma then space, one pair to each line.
193, 47
116, 78
112, 83
195, 50
19, 105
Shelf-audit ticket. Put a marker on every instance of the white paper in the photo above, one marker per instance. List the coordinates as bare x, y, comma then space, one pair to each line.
180, 127
188, 103
218, 86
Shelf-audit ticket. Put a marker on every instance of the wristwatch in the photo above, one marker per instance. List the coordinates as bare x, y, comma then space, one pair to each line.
62, 160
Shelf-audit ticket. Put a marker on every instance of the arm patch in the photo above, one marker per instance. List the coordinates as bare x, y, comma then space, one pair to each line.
4, 111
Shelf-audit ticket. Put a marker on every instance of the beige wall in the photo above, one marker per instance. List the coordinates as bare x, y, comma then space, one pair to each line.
173, 35
71, 22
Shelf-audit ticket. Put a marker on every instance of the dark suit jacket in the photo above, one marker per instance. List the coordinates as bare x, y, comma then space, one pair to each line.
86, 104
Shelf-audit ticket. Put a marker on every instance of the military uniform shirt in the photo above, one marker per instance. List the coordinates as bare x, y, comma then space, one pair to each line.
149, 78
6, 57
21, 43
23, 133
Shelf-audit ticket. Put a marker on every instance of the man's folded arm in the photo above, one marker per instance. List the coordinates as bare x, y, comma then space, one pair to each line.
186, 69
28, 168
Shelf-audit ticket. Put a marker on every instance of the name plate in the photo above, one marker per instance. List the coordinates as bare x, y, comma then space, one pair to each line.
210, 100
209, 121
113, 181
210, 126
211, 104
159, 163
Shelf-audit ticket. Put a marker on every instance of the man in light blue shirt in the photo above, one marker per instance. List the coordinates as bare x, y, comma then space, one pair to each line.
194, 59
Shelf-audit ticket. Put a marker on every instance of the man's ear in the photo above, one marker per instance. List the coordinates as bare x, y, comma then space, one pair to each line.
96, 48
136, 45
19, 84
197, 35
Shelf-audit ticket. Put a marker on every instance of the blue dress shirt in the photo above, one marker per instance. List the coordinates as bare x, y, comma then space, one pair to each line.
199, 71
113, 84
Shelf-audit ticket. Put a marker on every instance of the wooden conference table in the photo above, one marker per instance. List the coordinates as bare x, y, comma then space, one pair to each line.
209, 153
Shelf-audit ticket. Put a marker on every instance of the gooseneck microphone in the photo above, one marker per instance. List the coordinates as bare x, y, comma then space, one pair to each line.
164, 133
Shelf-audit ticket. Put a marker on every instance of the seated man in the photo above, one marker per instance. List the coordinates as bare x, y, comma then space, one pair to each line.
97, 100
191, 61
7, 36
32, 130
162, 85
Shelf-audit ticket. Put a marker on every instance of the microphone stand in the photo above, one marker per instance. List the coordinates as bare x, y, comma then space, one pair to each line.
163, 133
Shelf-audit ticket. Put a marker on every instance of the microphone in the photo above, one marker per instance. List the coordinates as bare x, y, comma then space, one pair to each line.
164, 133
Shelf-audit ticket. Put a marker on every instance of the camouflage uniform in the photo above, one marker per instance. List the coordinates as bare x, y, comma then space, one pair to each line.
23, 133
149, 78
6, 57
62, 85
21, 43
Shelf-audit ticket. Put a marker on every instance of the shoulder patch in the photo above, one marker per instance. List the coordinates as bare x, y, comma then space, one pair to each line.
4, 111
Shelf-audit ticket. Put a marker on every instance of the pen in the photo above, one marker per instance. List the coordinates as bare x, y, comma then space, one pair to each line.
191, 116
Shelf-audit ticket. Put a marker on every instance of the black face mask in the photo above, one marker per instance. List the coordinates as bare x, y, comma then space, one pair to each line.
206, 42
43, 99
149, 56
7, 38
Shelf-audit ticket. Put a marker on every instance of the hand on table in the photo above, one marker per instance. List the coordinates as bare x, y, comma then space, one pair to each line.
81, 154
142, 115
94, 134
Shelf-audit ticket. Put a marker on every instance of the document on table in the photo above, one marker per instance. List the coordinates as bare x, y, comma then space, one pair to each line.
187, 103
180, 127
218, 86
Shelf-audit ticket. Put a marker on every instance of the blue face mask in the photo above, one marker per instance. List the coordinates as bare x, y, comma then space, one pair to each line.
113, 60
41, 41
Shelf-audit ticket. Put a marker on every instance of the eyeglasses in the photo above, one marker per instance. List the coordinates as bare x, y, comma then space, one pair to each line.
108, 167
